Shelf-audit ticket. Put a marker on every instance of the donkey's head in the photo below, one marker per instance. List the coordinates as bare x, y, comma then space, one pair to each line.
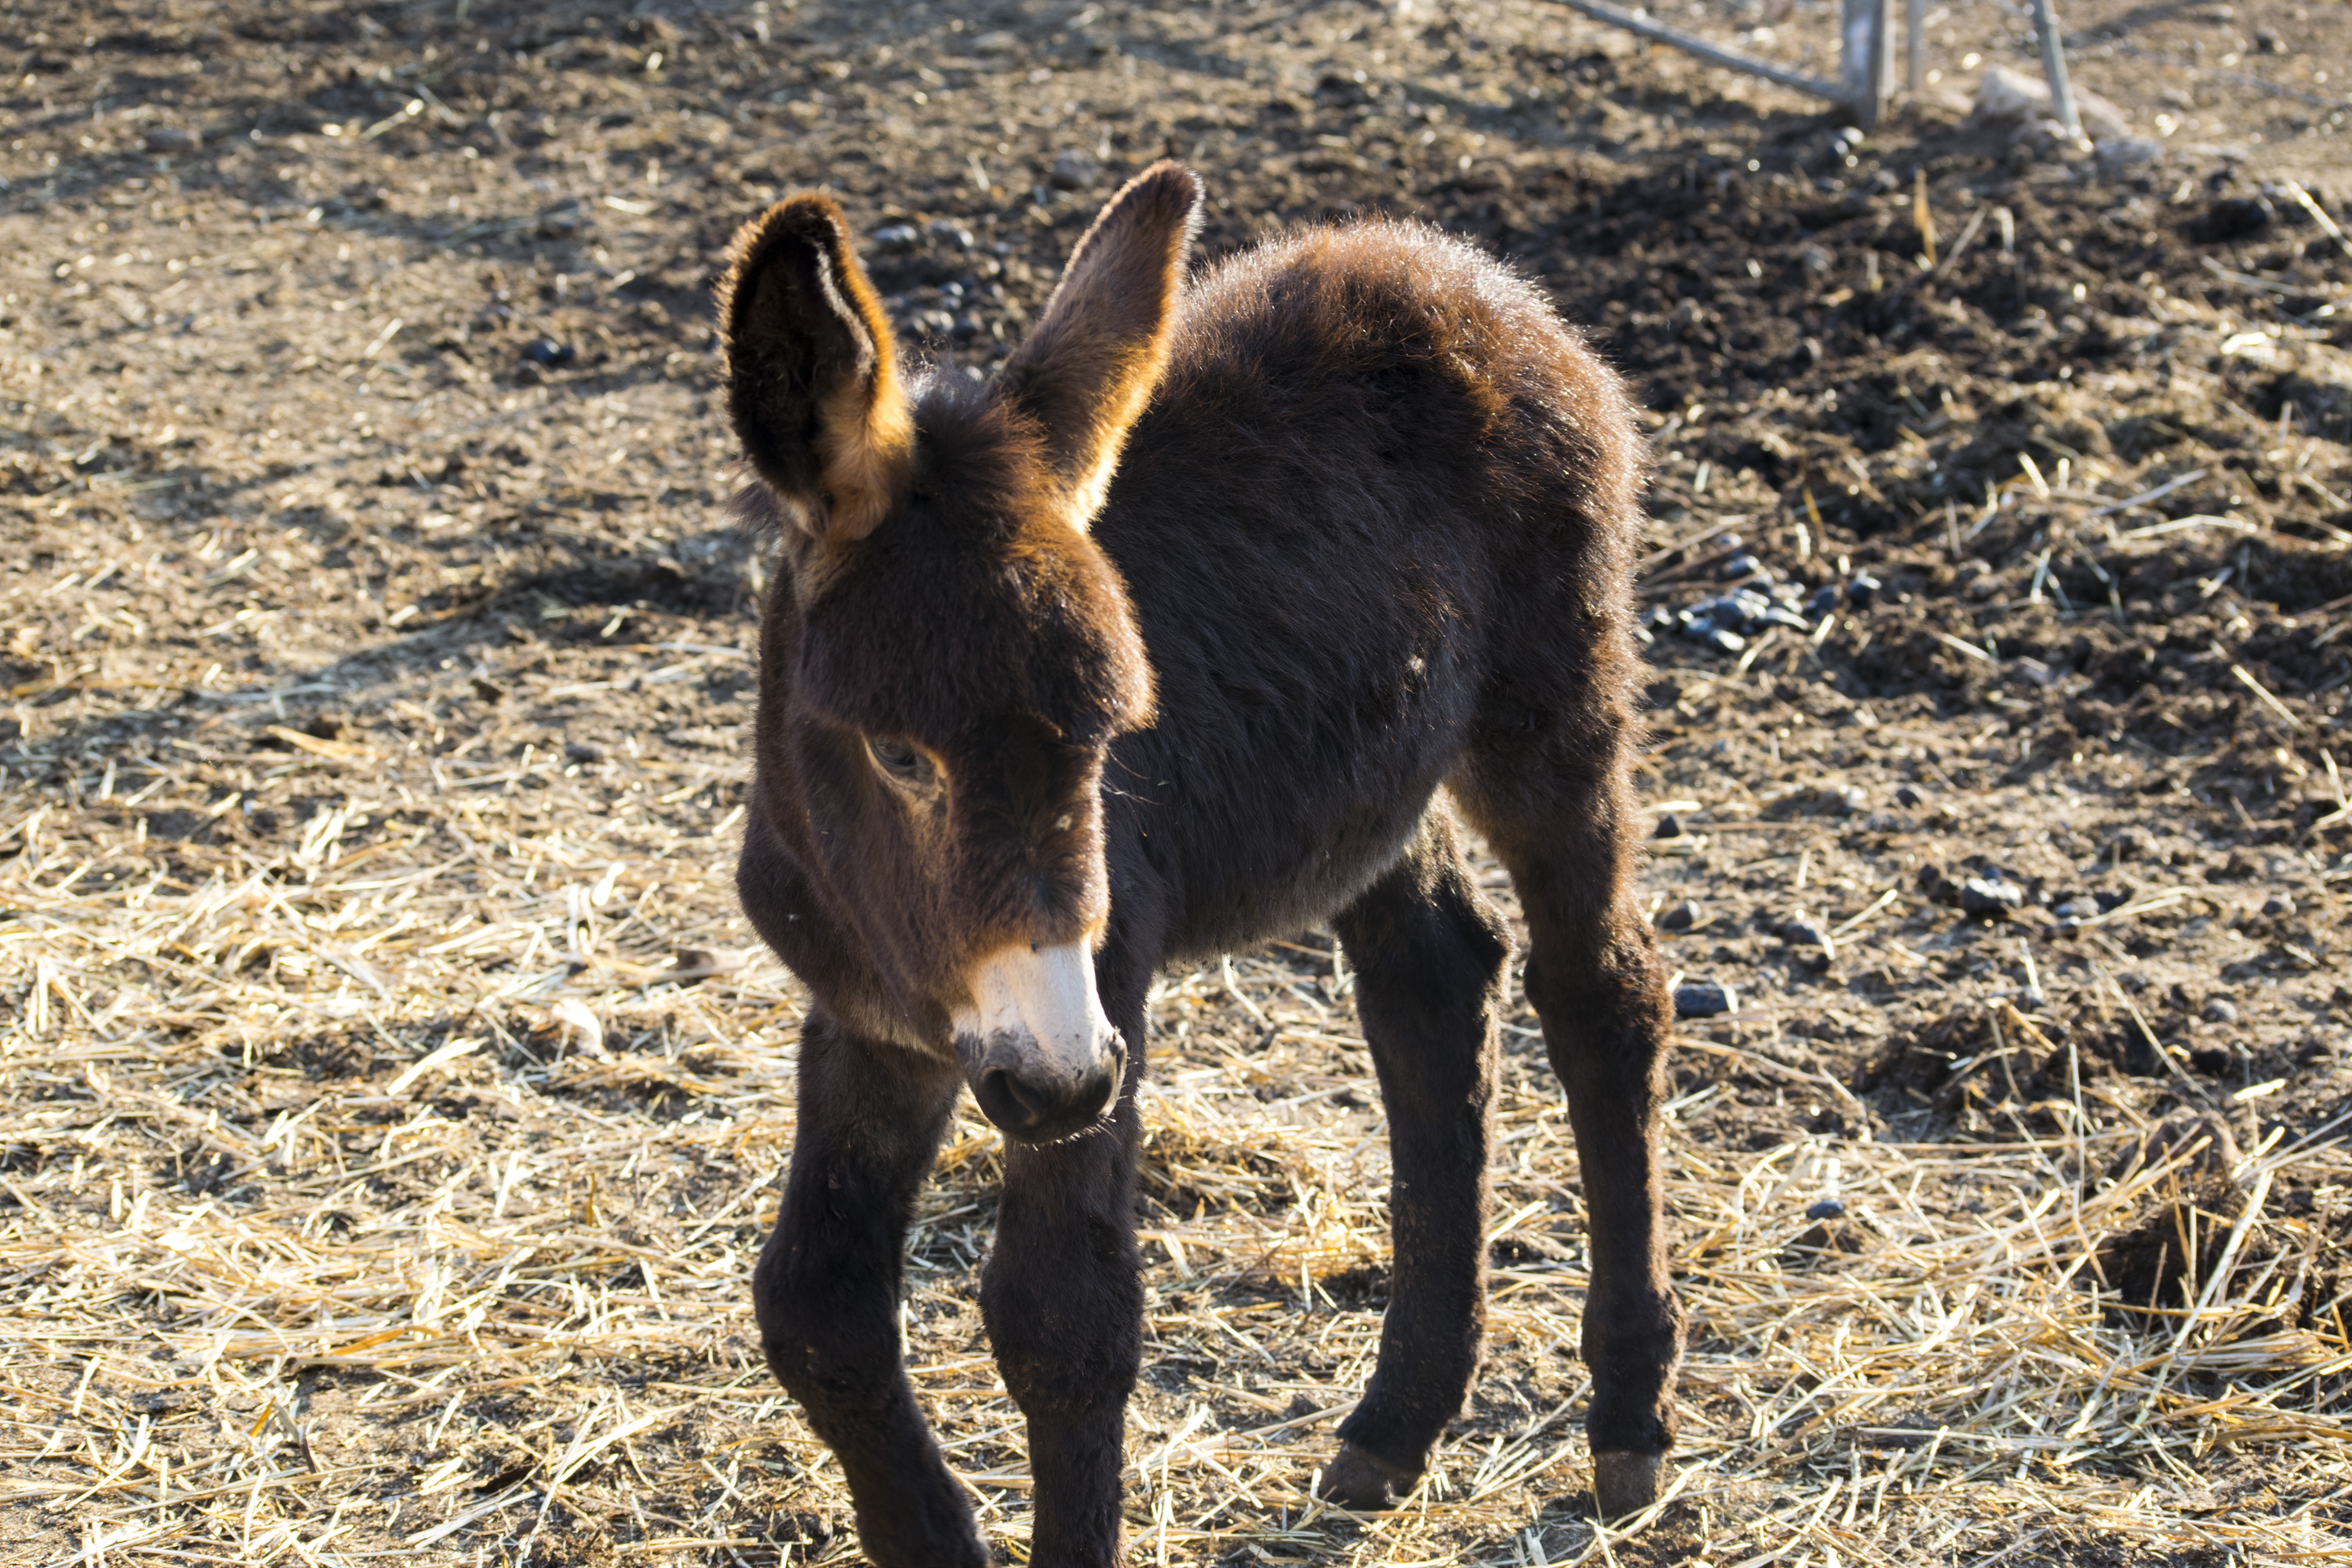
944, 671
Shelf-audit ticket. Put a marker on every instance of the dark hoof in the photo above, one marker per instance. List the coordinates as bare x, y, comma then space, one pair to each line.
1625, 1483
1365, 1483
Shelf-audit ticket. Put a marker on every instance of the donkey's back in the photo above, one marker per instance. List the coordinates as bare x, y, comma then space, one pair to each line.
1383, 361
1376, 523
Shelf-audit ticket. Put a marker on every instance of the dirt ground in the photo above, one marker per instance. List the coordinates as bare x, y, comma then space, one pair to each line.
394, 1095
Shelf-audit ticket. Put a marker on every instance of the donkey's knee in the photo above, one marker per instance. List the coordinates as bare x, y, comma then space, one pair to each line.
1067, 1331
829, 1326
830, 1331
1430, 956
1608, 993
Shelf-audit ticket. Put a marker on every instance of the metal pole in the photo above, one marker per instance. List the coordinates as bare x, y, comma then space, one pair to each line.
1730, 59
2053, 68
1865, 60
1915, 46
1884, 83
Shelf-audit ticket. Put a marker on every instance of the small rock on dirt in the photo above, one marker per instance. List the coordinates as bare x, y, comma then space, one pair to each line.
2219, 1010
1669, 827
1826, 799
692, 966
2234, 218
174, 139
1073, 170
2118, 153
1803, 932
1704, 999
1987, 899
548, 352
1828, 1208
1684, 915
2214, 1061
948, 232
1719, 640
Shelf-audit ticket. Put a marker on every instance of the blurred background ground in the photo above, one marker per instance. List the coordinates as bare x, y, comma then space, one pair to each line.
394, 1095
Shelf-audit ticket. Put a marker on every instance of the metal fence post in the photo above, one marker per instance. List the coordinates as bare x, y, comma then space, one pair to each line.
1914, 45
1866, 59
2053, 66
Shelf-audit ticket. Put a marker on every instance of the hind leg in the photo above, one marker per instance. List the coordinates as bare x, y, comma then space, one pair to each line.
1429, 955
1594, 976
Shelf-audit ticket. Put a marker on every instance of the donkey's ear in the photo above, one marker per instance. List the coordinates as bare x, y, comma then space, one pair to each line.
812, 373
1090, 366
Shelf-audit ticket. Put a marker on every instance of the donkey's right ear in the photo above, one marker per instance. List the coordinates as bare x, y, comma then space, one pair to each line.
812, 373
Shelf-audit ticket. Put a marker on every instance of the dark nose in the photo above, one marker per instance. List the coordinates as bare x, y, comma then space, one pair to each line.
1038, 1108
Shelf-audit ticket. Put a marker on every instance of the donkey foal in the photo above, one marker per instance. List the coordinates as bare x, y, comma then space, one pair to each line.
1163, 642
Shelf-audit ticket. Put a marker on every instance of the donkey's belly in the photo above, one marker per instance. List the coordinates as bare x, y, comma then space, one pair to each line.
1254, 830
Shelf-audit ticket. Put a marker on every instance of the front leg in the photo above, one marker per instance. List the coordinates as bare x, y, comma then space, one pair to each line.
826, 1288
1063, 1301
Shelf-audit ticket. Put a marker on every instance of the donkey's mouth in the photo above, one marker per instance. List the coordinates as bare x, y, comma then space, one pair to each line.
1038, 1106
1041, 1057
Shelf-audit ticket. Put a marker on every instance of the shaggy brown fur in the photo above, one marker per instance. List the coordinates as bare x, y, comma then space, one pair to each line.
1362, 512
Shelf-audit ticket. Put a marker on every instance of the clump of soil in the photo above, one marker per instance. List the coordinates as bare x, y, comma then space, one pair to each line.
2160, 1264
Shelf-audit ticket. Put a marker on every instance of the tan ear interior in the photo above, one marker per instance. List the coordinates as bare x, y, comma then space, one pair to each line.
1089, 370
812, 369
866, 433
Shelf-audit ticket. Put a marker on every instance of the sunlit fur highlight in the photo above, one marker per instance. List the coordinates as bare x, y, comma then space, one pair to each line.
859, 427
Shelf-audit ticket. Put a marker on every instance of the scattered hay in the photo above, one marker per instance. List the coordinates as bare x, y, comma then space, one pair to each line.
358, 1247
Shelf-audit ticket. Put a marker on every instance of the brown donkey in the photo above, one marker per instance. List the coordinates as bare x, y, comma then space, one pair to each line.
1160, 643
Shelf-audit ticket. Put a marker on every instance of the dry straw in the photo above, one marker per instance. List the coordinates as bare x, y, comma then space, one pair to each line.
395, 1194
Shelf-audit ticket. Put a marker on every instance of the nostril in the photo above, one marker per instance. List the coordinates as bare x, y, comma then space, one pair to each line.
1112, 1075
1007, 1101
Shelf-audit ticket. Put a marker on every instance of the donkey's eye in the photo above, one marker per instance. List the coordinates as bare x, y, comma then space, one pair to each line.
899, 759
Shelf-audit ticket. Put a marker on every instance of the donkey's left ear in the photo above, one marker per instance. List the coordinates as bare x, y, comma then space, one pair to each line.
1090, 366
812, 373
